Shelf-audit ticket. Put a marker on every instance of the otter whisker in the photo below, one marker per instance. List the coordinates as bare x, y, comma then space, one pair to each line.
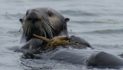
45, 35
51, 28
48, 29
25, 29
50, 25
42, 30
29, 29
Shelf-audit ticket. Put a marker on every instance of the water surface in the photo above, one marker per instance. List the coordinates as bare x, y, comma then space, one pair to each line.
100, 22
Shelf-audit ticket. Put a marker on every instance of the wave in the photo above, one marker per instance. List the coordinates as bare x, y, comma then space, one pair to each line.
77, 13
85, 22
106, 31
11, 15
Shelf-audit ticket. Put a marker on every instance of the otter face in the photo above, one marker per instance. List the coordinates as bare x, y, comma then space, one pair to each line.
43, 21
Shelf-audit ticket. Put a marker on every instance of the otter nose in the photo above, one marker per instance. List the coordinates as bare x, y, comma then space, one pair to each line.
32, 19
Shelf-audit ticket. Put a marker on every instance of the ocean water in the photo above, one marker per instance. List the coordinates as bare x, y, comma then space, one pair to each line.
100, 22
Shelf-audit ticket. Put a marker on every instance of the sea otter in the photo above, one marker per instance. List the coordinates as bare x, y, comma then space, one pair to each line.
49, 23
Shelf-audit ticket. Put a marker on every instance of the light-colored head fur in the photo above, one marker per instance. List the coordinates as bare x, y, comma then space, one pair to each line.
43, 21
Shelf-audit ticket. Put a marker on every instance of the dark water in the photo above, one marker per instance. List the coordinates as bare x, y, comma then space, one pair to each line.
100, 22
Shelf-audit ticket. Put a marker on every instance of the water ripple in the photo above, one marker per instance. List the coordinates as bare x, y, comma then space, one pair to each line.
85, 22
77, 13
106, 31
12, 15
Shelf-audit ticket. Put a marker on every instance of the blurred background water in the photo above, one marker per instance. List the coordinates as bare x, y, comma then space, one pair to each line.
100, 22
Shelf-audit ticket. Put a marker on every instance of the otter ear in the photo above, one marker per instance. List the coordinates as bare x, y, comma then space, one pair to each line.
67, 19
21, 20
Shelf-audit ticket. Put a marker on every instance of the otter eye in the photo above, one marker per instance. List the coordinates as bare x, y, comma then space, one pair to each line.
50, 13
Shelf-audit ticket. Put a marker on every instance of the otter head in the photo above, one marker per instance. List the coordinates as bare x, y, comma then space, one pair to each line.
43, 21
